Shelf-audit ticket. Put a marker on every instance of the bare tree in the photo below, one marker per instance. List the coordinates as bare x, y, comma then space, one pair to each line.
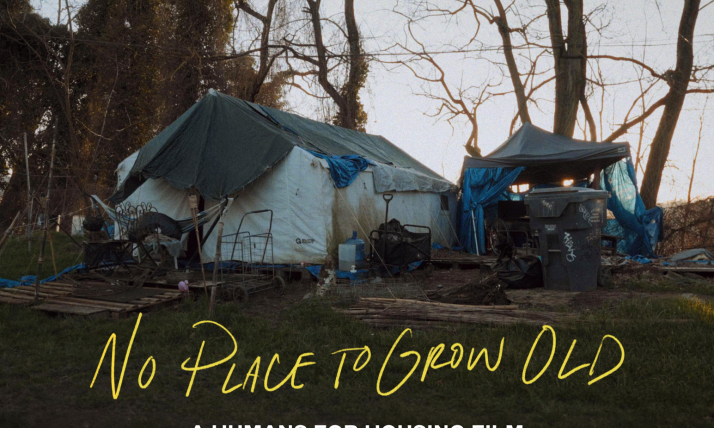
323, 62
266, 57
454, 100
566, 36
678, 81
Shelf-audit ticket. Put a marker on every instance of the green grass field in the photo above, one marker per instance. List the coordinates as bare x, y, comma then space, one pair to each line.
47, 365
16, 262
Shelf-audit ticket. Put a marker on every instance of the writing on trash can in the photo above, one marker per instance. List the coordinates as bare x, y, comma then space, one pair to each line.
568, 241
586, 214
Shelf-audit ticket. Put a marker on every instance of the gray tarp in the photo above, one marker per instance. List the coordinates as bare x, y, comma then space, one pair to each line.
394, 179
549, 157
221, 144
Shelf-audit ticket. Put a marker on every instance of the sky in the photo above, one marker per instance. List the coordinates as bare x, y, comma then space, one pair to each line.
397, 112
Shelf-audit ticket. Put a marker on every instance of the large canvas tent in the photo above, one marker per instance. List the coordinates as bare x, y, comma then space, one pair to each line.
537, 157
321, 181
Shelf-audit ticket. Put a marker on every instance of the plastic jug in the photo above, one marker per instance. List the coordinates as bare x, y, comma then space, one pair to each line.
351, 253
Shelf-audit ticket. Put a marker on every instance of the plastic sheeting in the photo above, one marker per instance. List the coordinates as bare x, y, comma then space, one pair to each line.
344, 169
640, 229
30, 279
389, 178
481, 187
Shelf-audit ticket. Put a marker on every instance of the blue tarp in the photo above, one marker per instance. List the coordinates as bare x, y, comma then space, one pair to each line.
344, 169
640, 229
30, 279
481, 187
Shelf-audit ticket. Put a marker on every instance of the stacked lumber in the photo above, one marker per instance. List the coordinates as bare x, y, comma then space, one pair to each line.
381, 312
61, 298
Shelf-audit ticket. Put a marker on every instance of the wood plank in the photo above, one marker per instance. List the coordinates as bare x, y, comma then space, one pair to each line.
31, 293
14, 301
59, 286
708, 269
71, 309
102, 303
21, 296
45, 289
63, 284
84, 304
147, 299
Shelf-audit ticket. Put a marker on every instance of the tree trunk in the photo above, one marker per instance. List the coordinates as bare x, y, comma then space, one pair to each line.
351, 115
357, 70
569, 56
678, 81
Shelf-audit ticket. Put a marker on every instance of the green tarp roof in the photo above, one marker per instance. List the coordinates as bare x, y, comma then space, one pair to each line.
549, 157
221, 144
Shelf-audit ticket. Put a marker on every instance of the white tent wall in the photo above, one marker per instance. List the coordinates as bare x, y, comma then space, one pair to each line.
311, 217
359, 208
295, 190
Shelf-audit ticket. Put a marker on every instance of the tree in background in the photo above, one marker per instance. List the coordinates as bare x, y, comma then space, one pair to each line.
123, 74
198, 30
342, 73
558, 44
116, 73
33, 77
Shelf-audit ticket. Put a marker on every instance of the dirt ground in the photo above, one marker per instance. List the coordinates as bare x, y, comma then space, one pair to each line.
270, 304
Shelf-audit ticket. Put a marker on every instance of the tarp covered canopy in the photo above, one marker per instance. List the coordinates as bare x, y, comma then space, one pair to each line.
549, 157
222, 144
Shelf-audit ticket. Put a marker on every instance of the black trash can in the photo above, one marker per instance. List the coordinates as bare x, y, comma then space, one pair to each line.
569, 222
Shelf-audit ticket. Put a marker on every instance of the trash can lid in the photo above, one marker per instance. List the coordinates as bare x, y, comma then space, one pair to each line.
566, 190
573, 194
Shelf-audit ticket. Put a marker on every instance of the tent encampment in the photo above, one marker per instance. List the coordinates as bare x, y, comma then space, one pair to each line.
540, 158
322, 182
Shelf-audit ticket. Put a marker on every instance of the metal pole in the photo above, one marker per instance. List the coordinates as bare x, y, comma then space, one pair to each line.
216, 267
47, 216
29, 198
473, 225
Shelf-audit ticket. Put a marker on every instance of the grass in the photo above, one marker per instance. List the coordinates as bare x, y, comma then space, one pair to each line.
667, 378
670, 283
15, 263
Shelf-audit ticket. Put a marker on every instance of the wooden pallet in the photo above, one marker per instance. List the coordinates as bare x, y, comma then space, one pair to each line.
703, 270
58, 298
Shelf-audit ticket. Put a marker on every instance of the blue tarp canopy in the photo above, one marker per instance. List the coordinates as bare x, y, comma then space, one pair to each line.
535, 156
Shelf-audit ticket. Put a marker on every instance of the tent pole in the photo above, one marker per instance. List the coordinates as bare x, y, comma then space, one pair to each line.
205, 238
29, 198
473, 225
596, 180
47, 219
